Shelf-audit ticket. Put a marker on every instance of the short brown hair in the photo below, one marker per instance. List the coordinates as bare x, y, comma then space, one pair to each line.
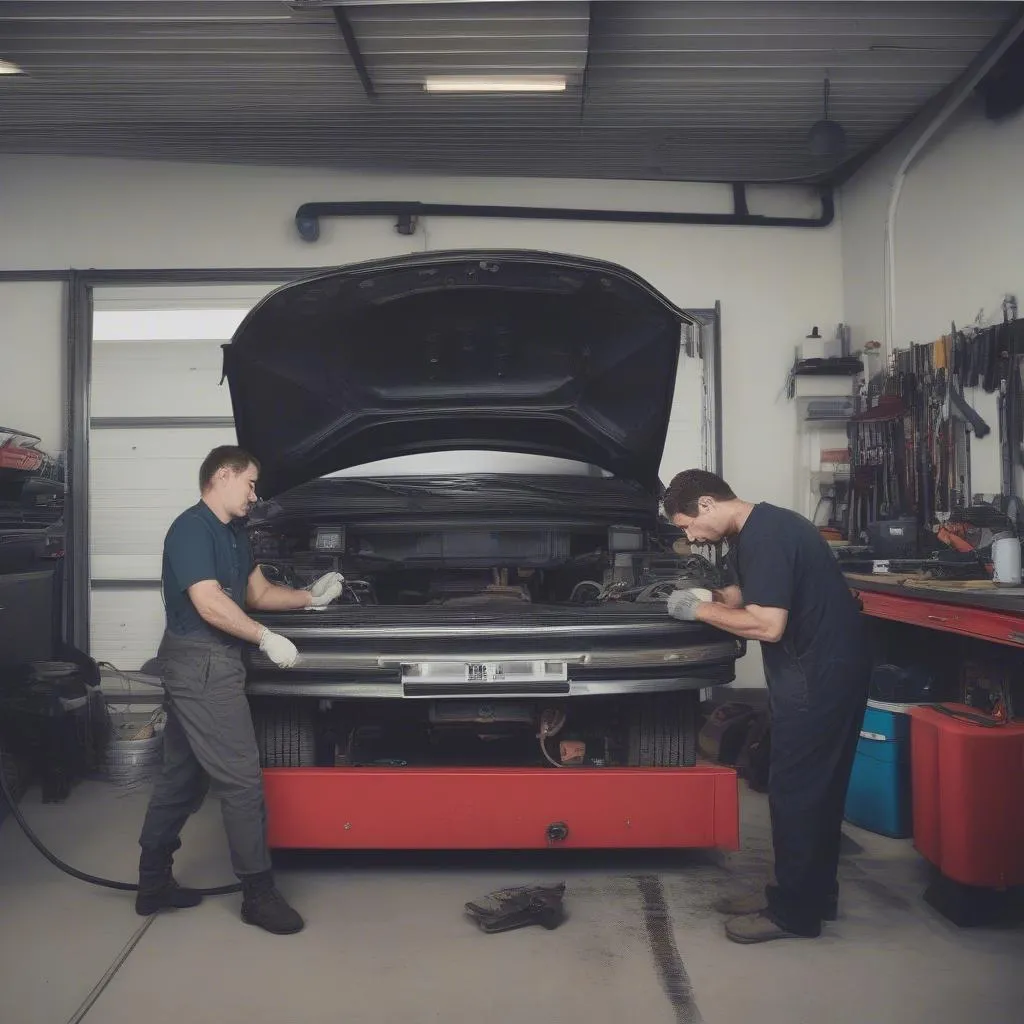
227, 456
688, 487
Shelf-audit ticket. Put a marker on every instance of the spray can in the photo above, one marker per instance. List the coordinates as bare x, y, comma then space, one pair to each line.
1006, 561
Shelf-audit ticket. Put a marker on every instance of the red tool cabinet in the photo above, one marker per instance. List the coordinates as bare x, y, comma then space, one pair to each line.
968, 786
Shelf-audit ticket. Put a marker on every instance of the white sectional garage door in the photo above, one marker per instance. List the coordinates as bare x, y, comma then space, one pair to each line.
156, 408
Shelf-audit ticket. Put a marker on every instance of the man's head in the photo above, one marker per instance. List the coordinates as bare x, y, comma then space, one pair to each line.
227, 480
702, 505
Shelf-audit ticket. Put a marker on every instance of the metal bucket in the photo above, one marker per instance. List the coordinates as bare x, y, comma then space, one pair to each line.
135, 752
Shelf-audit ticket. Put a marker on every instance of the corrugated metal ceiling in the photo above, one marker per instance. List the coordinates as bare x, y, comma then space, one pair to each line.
666, 90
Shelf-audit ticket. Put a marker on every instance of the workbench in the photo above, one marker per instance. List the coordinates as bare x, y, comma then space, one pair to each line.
974, 608
968, 781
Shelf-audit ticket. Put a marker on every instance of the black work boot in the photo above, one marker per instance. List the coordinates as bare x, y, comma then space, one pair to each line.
157, 888
265, 907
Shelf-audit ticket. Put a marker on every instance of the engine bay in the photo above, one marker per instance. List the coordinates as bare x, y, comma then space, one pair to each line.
480, 567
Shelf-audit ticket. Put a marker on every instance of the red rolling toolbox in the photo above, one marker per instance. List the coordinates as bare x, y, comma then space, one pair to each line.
968, 796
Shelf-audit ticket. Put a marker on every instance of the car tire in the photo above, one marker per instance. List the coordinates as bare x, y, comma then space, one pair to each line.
663, 731
285, 734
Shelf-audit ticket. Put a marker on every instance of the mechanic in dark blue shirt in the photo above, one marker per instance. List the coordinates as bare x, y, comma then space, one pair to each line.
209, 580
788, 592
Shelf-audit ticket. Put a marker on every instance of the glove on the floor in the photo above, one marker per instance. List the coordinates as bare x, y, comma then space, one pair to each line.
505, 909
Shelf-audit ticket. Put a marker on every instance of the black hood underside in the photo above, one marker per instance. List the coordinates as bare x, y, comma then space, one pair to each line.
507, 351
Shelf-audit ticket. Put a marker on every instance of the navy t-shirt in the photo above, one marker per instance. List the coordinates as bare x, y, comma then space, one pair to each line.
199, 547
779, 560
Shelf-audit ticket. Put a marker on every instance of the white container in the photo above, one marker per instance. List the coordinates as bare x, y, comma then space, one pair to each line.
1006, 561
813, 348
820, 386
821, 348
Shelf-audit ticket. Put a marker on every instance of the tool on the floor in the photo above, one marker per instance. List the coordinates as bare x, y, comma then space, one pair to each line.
505, 909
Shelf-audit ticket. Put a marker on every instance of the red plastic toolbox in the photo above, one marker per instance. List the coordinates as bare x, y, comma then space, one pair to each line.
968, 797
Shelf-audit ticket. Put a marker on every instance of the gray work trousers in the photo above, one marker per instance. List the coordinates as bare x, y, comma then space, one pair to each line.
209, 744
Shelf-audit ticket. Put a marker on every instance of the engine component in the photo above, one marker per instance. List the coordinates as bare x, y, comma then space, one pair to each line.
358, 592
572, 753
329, 539
461, 712
552, 722
475, 587
625, 538
652, 578
587, 587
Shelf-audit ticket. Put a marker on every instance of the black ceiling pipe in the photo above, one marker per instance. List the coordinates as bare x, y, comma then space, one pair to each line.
308, 216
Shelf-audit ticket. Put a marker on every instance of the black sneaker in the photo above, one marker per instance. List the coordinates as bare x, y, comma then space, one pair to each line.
265, 907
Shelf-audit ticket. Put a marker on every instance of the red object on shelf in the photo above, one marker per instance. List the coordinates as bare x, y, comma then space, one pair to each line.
23, 460
840, 456
968, 797
501, 808
890, 407
985, 624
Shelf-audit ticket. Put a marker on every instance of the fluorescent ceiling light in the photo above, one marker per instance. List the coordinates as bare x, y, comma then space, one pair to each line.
8, 67
495, 83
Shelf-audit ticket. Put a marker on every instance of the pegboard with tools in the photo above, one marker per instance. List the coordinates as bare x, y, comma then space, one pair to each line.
910, 450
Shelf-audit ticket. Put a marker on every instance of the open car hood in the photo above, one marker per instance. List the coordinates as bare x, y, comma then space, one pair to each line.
509, 351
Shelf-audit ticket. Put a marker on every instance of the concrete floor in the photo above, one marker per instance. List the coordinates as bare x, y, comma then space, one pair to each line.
386, 940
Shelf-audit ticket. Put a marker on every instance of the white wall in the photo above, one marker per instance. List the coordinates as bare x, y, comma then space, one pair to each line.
958, 243
773, 283
31, 351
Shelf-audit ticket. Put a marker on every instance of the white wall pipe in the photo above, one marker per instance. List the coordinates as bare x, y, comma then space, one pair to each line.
950, 107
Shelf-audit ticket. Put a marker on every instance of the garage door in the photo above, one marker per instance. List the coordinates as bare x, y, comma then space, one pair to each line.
690, 441
157, 408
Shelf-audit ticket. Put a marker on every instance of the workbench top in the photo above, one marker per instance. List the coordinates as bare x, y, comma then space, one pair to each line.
967, 593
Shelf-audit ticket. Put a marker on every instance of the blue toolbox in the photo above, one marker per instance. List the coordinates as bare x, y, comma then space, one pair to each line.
879, 795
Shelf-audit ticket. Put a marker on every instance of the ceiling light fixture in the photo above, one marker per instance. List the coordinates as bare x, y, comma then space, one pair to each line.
8, 67
827, 138
495, 83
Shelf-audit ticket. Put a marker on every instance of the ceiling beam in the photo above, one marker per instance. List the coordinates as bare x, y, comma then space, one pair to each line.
970, 77
585, 79
352, 45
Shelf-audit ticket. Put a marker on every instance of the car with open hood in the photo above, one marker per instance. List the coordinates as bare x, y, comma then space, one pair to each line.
479, 607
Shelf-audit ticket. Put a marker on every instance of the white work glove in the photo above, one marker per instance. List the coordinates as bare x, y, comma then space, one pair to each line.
326, 589
279, 649
683, 604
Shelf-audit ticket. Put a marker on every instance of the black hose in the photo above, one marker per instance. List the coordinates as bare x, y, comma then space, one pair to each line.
82, 876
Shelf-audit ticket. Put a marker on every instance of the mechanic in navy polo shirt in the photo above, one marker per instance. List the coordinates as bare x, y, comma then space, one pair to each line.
209, 580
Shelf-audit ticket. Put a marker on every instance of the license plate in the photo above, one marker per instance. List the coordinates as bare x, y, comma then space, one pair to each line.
485, 672
506, 671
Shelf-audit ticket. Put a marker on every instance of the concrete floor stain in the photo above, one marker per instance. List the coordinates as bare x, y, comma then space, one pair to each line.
671, 970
